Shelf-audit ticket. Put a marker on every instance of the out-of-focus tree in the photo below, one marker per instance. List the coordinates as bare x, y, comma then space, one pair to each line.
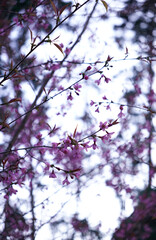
142, 223
139, 18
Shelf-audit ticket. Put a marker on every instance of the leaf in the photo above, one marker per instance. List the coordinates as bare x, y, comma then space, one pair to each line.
149, 109
54, 7
4, 124
56, 38
11, 101
113, 123
11, 67
15, 100
126, 53
105, 5
59, 48
45, 91
31, 35
52, 131
75, 170
73, 141
63, 8
4, 161
57, 20
75, 131
15, 75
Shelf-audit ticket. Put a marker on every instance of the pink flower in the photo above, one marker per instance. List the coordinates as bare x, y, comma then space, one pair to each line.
103, 126
11, 191
17, 21
88, 68
108, 107
97, 110
65, 181
109, 58
107, 80
6, 196
26, 70
39, 136
77, 174
107, 137
85, 145
52, 174
67, 51
47, 167
94, 146
98, 81
121, 114
60, 88
92, 103
121, 107
86, 77
137, 88
70, 97
104, 98
128, 190
55, 67
61, 45
77, 87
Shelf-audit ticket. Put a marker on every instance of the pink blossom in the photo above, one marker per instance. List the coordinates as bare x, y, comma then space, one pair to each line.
152, 96
67, 142
98, 81
109, 58
26, 70
121, 107
106, 137
77, 87
61, 45
65, 181
85, 145
47, 167
55, 67
128, 190
103, 126
92, 103
52, 174
97, 110
137, 88
39, 136
88, 68
6, 196
60, 88
67, 51
104, 98
70, 97
107, 80
108, 107
121, 114
77, 174
94, 145
86, 77
16, 20
152, 171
